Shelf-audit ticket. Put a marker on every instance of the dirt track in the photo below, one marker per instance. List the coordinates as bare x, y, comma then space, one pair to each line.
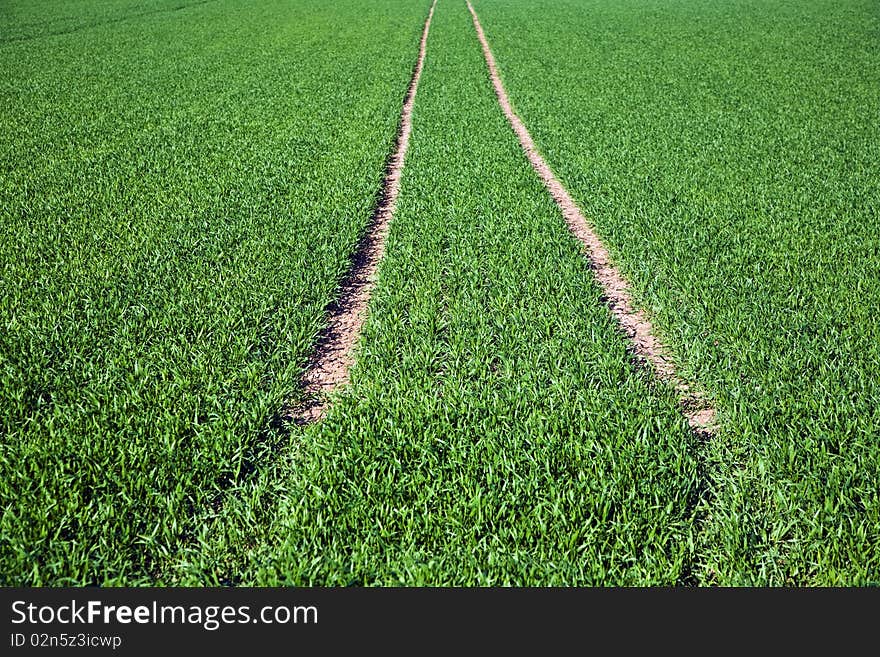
633, 322
334, 352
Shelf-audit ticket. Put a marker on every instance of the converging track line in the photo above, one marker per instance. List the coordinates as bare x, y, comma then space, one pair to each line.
330, 365
634, 323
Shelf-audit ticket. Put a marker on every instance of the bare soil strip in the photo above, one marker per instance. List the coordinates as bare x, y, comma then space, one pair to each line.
634, 323
331, 362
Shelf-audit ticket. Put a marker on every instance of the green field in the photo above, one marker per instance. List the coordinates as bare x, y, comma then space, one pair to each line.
494, 432
183, 186
180, 194
728, 153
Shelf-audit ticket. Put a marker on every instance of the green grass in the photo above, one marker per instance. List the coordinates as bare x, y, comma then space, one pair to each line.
727, 151
181, 187
495, 431
21, 20
180, 193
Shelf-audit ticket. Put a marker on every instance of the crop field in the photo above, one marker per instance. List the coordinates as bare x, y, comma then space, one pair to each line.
180, 193
185, 188
728, 152
493, 432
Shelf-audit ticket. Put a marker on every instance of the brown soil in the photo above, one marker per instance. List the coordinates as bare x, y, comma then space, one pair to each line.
334, 352
633, 322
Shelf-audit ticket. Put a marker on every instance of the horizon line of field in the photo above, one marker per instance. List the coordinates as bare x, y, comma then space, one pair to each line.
329, 366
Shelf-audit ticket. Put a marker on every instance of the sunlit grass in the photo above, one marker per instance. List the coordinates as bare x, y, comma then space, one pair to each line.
180, 193
495, 431
727, 151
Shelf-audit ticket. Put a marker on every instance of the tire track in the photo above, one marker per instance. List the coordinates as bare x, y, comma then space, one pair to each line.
330, 365
616, 290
